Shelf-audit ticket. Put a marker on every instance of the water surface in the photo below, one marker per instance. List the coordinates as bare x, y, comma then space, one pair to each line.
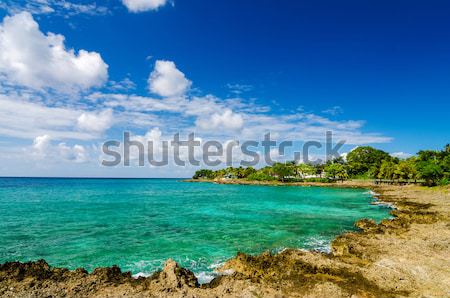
139, 223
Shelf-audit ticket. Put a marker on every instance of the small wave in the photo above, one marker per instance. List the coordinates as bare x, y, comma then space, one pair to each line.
372, 193
318, 243
140, 274
384, 204
202, 270
205, 277
216, 264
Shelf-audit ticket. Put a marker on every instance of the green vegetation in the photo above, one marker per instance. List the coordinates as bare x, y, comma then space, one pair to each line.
364, 160
431, 167
204, 174
336, 171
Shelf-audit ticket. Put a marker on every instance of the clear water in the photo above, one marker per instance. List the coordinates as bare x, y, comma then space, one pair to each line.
139, 223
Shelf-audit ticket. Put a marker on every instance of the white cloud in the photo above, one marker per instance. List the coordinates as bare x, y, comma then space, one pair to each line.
20, 118
239, 88
333, 111
143, 5
95, 122
77, 153
122, 86
166, 80
69, 8
41, 144
59, 7
233, 118
401, 155
33, 59
227, 121
43, 149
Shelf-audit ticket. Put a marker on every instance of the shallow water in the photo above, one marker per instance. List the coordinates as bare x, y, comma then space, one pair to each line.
139, 223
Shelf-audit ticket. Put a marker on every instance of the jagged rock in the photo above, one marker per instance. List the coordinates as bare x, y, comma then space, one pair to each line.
39, 270
111, 274
368, 225
173, 276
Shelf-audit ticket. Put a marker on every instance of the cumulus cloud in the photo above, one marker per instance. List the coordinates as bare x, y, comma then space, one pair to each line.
166, 80
41, 145
30, 58
20, 118
43, 148
143, 5
76, 153
95, 122
228, 120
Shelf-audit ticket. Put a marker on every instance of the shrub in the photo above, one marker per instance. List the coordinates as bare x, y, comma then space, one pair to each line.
322, 180
444, 182
293, 179
260, 176
204, 174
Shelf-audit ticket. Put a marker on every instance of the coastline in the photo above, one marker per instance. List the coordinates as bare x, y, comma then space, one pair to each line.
367, 184
379, 260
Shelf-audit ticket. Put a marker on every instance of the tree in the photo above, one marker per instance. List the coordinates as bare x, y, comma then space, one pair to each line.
282, 170
304, 169
433, 165
444, 161
248, 171
240, 172
204, 174
387, 170
338, 159
406, 169
428, 155
220, 173
430, 171
336, 171
363, 159
318, 168
260, 176
445, 164
267, 170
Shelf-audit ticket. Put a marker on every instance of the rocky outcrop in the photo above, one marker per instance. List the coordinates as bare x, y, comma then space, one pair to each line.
39, 279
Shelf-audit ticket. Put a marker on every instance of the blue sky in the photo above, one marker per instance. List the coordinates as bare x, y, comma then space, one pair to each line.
377, 70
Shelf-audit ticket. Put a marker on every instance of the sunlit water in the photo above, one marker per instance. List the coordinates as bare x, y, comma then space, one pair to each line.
139, 223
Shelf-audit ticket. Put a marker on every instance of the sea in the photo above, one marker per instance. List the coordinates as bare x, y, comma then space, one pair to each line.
137, 224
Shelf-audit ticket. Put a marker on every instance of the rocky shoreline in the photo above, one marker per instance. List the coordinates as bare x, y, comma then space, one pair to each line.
406, 256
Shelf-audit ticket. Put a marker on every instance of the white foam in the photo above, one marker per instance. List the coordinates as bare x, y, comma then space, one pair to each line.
140, 274
384, 204
216, 264
205, 277
319, 243
372, 193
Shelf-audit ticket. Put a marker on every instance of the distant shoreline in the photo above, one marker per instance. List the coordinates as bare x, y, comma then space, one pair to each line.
343, 184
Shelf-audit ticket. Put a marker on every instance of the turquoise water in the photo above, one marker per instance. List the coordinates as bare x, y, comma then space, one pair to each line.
139, 223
